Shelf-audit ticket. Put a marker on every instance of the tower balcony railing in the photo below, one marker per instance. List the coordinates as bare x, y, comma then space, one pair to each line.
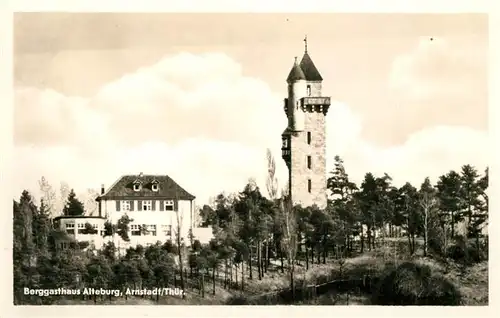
285, 152
319, 100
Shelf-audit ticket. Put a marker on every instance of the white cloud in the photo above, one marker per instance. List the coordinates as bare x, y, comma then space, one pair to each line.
438, 68
199, 120
438, 82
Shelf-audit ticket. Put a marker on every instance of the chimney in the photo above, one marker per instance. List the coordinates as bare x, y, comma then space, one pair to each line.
102, 189
140, 174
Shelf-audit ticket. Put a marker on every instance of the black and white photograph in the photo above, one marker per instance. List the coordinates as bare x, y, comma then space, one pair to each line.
335, 159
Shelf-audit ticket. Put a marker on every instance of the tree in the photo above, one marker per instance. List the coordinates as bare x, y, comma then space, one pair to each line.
90, 202
368, 198
99, 273
179, 218
89, 229
450, 195
41, 228
428, 203
407, 204
23, 246
342, 205
471, 196
479, 215
73, 206
122, 227
64, 191
289, 224
272, 180
207, 214
48, 196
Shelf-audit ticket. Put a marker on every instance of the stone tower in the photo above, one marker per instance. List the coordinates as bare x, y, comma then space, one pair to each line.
304, 142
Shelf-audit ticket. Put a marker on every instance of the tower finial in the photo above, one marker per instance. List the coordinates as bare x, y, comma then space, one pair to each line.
305, 44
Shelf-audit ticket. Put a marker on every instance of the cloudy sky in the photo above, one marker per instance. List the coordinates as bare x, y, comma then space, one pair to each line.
199, 96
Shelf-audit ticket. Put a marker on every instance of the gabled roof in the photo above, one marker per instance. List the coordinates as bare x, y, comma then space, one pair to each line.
310, 71
167, 188
295, 74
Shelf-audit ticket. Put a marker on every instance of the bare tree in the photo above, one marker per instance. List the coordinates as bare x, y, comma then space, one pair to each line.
90, 202
272, 180
48, 196
272, 190
64, 192
197, 220
428, 202
179, 216
289, 225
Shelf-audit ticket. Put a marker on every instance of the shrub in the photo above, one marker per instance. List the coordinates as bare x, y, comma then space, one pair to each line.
413, 284
467, 253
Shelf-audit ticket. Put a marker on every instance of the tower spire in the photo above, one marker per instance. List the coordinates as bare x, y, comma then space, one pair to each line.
305, 44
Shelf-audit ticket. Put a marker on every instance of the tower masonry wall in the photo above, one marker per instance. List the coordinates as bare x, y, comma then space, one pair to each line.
300, 173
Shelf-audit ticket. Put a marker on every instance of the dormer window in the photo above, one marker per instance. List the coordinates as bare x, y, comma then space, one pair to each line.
137, 185
154, 185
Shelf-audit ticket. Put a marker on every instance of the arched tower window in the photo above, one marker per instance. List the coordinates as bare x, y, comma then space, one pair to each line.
308, 90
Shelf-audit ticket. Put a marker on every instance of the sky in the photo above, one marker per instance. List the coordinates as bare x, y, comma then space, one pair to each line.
200, 96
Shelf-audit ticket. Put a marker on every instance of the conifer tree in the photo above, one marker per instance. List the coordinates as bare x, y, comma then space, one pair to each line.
73, 206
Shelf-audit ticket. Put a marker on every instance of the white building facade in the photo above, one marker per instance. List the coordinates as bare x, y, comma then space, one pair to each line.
155, 204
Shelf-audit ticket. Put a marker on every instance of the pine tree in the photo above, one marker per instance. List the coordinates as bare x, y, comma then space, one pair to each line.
41, 228
73, 206
450, 197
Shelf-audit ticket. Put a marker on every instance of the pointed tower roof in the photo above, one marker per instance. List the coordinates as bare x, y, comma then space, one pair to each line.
296, 73
310, 71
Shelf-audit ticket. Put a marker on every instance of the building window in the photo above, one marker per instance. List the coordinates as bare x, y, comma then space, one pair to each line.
154, 187
135, 230
137, 187
70, 228
151, 230
125, 205
309, 185
81, 227
147, 205
308, 90
285, 143
169, 205
167, 230
308, 162
308, 137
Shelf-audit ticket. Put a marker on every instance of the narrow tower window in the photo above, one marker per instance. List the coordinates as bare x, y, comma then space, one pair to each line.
308, 137
309, 185
308, 162
308, 90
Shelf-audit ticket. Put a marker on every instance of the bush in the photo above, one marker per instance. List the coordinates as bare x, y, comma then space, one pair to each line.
412, 284
469, 254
